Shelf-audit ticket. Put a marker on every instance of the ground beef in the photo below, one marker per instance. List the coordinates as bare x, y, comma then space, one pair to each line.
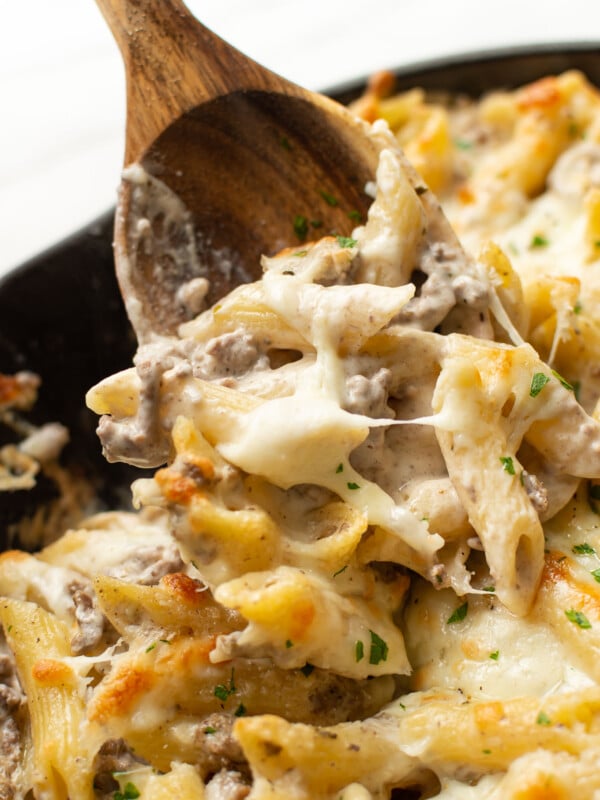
113, 756
149, 565
89, 618
219, 750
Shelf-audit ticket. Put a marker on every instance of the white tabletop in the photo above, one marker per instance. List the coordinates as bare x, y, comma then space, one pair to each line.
62, 88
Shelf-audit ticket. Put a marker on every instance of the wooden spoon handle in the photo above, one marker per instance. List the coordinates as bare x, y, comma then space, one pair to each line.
173, 63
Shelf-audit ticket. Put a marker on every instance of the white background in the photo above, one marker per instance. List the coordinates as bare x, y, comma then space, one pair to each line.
62, 104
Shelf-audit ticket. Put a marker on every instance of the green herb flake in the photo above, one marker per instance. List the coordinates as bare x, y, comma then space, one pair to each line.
339, 468
209, 730
578, 618
300, 254
539, 241
507, 464
538, 382
543, 719
379, 649
463, 144
346, 241
240, 710
307, 670
329, 199
151, 647
355, 215
130, 792
289, 643
486, 752
596, 575
164, 641
9, 629
353, 486
223, 692
359, 651
340, 570
490, 589
458, 614
316, 223
584, 549
285, 143
300, 226
577, 308
495, 655
561, 380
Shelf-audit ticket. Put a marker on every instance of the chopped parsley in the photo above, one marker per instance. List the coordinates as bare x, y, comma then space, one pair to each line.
289, 643
495, 655
577, 308
223, 691
379, 649
458, 614
355, 215
339, 468
300, 254
486, 752
596, 575
346, 241
584, 549
359, 651
151, 647
539, 241
561, 380
488, 589
307, 670
507, 464
240, 710
340, 570
316, 223
130, 792
578, 618
543, 719
300, 226
463, 144
209, 730
329, 199
538, 382
351, 485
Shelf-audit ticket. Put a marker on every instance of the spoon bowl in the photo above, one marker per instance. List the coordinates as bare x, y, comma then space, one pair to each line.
230, 161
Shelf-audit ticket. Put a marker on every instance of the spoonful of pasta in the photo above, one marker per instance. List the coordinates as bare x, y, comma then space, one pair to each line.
224, 161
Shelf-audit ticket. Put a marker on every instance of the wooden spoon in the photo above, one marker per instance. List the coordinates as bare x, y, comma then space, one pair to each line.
240, 161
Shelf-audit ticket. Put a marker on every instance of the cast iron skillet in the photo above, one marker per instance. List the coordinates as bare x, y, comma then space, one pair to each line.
61, 314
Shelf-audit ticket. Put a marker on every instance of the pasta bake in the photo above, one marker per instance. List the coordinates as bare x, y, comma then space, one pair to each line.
367, 565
